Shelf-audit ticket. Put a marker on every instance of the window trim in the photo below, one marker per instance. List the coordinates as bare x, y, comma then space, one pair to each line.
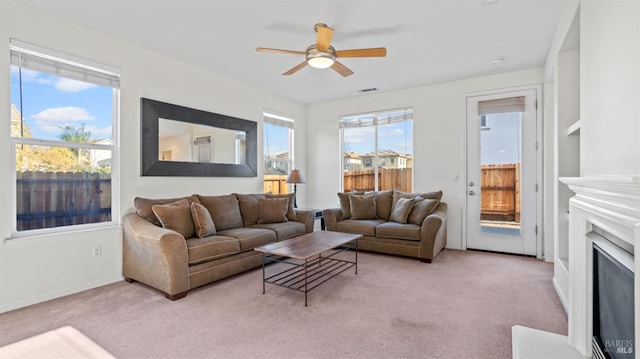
113, 76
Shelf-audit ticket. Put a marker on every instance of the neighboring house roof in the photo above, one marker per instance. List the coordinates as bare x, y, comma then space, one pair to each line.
386, 153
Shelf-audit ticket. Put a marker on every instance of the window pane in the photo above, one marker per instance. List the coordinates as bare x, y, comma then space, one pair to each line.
395, 156
358, 146
50, 194
277, 160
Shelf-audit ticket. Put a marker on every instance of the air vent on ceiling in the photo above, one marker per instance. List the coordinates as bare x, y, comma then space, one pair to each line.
368, 90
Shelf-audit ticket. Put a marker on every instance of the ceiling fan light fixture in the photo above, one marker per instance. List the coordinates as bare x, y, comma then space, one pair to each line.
320, 59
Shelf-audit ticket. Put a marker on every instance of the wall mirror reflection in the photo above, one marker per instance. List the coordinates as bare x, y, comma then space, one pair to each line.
188, 142
182, 141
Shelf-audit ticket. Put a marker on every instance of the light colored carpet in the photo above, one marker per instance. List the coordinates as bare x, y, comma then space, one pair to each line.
66, 342
461, 306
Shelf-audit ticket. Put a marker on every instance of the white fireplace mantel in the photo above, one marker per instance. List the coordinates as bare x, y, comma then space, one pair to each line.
611, 203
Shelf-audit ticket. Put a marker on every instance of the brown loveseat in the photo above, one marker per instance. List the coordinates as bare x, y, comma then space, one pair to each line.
393, 222
178, 244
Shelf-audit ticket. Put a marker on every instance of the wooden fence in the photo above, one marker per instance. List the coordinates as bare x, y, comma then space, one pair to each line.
275, 184
500, 199
388, 178
55, 199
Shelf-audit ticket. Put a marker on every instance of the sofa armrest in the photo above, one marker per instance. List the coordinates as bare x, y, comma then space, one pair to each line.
331, 218
433, 233
307, 217
154, 255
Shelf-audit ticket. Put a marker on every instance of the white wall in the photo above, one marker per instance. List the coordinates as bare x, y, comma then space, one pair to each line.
609, 73
32, 270
438, 126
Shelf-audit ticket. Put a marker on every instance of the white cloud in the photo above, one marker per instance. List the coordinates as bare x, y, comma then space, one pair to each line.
27, 75
69, 85
98, 132
49, 119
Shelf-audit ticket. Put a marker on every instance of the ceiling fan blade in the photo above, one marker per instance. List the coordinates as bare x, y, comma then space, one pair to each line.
279, 51
341, 69
295, 69
324, 37
373, 52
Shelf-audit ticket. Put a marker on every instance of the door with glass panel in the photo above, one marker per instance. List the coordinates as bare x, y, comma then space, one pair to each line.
502, 172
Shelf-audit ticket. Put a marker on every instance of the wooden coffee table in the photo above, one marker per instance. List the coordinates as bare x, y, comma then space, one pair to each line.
311, 268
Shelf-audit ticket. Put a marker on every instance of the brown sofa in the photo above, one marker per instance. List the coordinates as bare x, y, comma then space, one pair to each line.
393, 222
177, 244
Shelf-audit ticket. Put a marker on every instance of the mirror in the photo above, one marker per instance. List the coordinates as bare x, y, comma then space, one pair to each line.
181, 141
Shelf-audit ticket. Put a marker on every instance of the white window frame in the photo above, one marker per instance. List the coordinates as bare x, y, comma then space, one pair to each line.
68, 66
372, 119
271, 118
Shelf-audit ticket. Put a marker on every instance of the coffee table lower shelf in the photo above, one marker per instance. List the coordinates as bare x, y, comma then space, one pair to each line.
305, 276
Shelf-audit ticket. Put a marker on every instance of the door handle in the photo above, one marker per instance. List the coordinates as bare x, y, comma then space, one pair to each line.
471, 193
471, 184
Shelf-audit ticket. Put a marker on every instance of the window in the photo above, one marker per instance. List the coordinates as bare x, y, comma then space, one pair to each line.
63, 119
377, 151
277, 151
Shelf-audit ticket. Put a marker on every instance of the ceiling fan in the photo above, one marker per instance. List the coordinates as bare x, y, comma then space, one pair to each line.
322, 55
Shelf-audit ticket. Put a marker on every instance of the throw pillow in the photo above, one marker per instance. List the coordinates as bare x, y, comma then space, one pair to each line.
224, 210
202, 220
345, 205
175, 216
363, 207
401, 211
249, 207
143, 206
291, 211
422, 207
273, 210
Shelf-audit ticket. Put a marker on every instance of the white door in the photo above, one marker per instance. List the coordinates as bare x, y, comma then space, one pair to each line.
502, 172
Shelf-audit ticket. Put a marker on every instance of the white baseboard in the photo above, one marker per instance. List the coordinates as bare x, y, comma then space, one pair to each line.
58, 293
563, 300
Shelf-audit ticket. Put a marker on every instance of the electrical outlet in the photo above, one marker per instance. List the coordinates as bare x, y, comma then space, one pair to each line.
97, 252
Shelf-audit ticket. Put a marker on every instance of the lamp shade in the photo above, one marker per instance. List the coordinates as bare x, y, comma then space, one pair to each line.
295, 177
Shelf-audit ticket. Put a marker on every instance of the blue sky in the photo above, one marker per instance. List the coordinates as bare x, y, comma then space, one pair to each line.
50, 101
278, 141
397, 137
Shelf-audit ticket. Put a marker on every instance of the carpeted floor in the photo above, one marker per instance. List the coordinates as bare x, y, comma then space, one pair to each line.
461, 306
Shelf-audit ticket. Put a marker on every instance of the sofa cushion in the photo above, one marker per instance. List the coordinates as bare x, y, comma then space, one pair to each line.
363, 207
408, 231
202, 221
364, 227
291, 211
249, 207
143, 206
422, 207
401, 210
208, 248
384, 200
429, 195
225, 211
175, 216
272, 210
345, 205
250, 237
284, 230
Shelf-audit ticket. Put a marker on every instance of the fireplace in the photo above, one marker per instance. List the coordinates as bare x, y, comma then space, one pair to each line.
604, 227
613, 299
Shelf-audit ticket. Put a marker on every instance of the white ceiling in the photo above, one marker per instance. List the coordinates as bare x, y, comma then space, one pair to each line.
427, 41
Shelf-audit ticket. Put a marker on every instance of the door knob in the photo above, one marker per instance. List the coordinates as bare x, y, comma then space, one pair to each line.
471, 193
471, 183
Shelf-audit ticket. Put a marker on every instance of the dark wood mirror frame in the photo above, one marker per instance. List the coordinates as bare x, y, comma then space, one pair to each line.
151, 113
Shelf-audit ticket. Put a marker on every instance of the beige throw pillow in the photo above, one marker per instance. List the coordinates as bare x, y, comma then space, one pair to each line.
202, 220
363, 207
143, 206
401, 210
273, 210
249, 207
345, 205
225, 211
422, 207
291, 211
175, 216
